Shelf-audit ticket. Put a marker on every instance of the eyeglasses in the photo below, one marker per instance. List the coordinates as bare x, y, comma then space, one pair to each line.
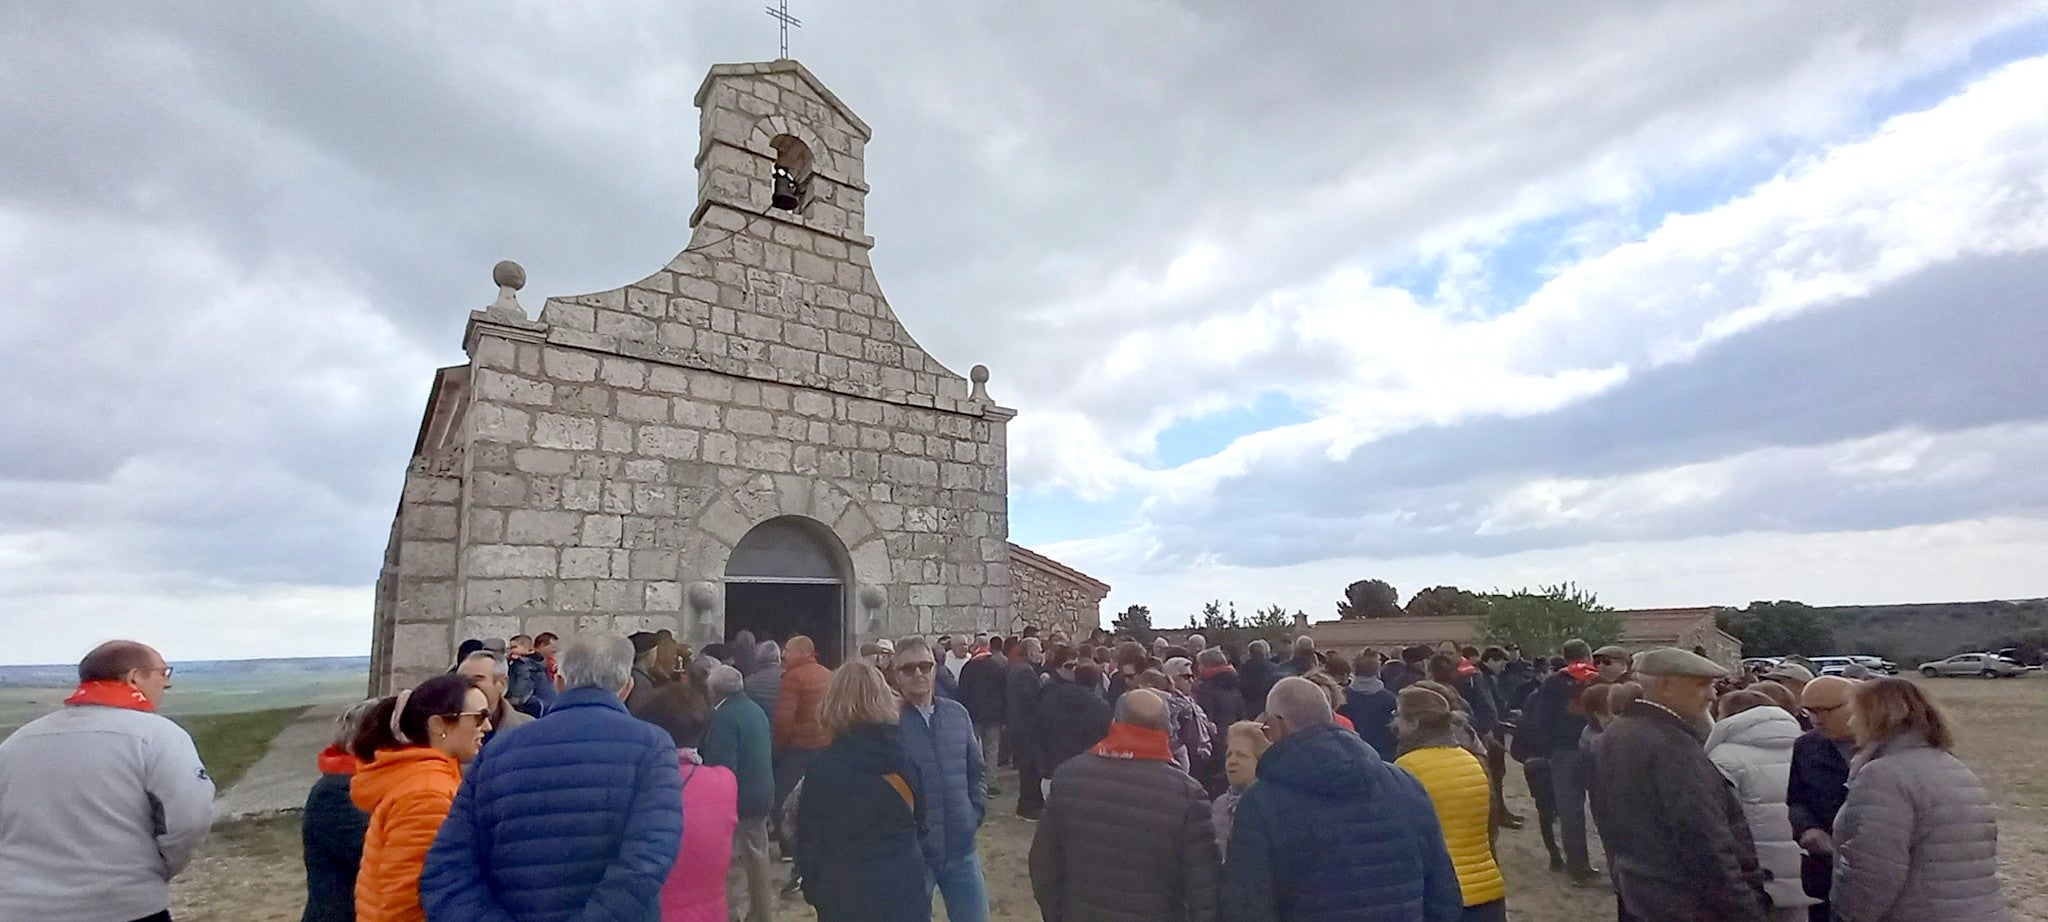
914, 668
166, 670
482, 717
1823, 712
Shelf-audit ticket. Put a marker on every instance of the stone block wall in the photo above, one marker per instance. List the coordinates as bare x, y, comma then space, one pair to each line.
1051, 596
601, 463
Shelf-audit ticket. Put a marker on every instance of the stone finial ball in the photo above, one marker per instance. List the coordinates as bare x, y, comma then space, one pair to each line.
979, 375
509, 274
872, 597
703, 596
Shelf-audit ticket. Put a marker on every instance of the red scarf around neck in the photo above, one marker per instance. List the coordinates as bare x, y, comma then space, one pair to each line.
1210, 672
109, 693
1126, 741
336, 761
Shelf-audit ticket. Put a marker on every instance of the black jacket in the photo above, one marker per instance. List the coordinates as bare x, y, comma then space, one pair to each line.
984, 689
1371, 713
1258, 677
1222, 698
856, 841
1397, 675
1020, 697
1818, 785
1125, 840
1548, 723
1691, 858
1514, 684
1477, 690
332, 839
1071, 718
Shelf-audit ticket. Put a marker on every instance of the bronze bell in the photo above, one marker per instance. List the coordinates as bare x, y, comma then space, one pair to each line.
785, 190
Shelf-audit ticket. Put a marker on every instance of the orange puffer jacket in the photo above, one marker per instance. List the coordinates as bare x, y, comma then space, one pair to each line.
796, 721
407, 793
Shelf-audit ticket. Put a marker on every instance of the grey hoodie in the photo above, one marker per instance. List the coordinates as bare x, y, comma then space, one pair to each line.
99, 808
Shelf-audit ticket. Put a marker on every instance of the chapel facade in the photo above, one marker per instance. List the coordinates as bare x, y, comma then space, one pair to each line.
745, 439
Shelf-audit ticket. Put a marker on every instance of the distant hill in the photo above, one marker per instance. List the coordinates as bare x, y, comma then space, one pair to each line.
65, 675
1913, 634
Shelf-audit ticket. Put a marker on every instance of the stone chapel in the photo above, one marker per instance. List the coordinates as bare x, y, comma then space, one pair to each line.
746, 439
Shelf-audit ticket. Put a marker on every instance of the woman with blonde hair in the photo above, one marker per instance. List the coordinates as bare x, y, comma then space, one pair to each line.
1457, 784
1245, 741
858, 815
332, 827
1917, 838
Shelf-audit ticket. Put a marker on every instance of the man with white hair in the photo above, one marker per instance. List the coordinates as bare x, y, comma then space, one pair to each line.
1682, 848
516, 846
738, 738
1196, 644
1331, 831
492, 675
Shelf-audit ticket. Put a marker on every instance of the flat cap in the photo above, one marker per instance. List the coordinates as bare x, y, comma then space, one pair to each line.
1790, 671
887, 645
1671, 661
1612, 651
1414, 702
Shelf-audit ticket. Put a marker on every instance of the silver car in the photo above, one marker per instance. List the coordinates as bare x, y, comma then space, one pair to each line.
1977, 664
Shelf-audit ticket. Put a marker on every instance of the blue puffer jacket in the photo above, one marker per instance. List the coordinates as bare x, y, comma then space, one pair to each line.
1329, 831
576, 816
947, 760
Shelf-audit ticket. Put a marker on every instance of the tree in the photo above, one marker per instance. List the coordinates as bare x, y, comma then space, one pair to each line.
1271, 624
1215, 617
1447, 601
1541, 621
1370, 598
1136, 622
1781, 628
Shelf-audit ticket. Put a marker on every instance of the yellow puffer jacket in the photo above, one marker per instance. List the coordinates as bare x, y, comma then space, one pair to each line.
1457, 787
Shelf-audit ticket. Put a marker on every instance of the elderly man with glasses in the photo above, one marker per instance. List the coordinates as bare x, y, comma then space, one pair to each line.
103, 801
939, 741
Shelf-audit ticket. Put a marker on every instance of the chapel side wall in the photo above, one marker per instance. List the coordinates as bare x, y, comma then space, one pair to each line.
412, 639
1051, 601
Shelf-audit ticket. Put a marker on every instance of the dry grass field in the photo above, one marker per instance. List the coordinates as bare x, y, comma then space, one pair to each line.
251, 871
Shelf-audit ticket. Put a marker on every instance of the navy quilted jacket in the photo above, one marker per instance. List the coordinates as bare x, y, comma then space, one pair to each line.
575, 817
947, 760
1329, 831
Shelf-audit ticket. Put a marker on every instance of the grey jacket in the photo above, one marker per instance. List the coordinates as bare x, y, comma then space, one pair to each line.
99, 808
1916, 840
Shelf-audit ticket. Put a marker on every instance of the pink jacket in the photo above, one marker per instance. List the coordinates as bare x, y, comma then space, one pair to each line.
695, 889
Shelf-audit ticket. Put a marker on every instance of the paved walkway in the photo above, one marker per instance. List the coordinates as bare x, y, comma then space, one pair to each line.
278, 782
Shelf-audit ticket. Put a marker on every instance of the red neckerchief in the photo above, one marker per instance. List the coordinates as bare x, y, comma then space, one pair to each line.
1465, 667
1130, 742
1582, 671
108, 693
1210, 672
336, 761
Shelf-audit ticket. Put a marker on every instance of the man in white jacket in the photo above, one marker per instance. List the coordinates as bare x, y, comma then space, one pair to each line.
103, 801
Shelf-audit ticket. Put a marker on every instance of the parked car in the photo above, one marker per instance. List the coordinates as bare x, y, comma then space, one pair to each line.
1977, 664
1831, 665
1877, 664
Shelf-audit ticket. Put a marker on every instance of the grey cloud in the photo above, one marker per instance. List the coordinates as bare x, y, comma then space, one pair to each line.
316, 157
1952, 348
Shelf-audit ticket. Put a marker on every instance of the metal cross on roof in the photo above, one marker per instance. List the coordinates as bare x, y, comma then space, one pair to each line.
780, 13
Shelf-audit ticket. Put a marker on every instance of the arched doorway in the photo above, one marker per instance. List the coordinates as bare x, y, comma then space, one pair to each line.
787, 577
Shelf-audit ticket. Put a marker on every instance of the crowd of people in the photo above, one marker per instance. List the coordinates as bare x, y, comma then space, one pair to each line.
614, 777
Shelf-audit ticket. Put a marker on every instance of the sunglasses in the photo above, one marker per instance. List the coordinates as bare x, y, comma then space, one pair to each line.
914, 668
482, 717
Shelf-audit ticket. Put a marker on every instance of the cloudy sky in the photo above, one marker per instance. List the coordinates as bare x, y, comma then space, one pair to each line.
1689, 302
